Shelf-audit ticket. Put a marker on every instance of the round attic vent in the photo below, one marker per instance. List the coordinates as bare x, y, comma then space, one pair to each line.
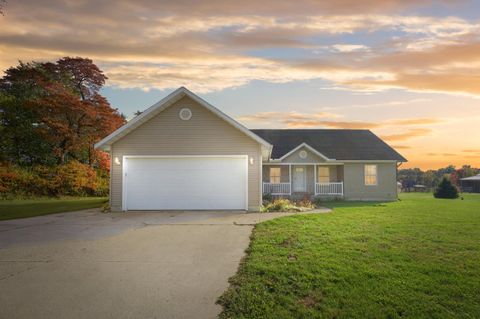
185, 114
303, 154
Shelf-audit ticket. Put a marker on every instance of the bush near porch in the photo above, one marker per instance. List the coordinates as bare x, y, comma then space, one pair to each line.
415, 258
286, 205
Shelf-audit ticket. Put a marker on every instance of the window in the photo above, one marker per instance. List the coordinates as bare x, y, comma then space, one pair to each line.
275, 174
323, 174
370, 175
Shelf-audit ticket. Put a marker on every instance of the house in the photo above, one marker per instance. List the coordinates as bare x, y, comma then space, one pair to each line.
470, 184
184, 154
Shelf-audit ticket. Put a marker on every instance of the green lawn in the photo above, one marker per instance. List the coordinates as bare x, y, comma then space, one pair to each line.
11, 209
416, 258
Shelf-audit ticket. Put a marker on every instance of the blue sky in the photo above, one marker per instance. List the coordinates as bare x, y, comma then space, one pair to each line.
407, 70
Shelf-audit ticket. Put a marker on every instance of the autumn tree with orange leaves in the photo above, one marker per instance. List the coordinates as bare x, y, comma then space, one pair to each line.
51, 113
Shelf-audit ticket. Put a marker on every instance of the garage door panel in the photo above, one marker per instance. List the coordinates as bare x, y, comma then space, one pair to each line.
186, 183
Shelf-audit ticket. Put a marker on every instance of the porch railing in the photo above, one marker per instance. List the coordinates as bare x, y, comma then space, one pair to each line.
276, 188
329, 188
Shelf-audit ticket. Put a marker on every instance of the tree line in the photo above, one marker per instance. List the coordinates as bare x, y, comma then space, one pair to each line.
432, 178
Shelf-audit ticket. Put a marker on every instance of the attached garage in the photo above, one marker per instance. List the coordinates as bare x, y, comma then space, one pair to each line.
184, 154
185, 182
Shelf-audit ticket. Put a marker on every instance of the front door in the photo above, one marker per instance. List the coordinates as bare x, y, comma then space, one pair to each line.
299, 179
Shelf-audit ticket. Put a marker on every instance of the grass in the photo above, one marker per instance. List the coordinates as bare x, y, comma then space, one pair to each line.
12, 209
415, 258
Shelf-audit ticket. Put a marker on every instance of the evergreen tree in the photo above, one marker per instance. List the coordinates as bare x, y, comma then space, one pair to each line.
446, 190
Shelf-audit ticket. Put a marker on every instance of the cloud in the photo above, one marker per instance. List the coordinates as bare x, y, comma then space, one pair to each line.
332, 124
293, 120
415, 121
350, 47
297, 123
285, 116
442, 154
401, 147
450, 68
409, 134
228, 8
471, 151
220, 44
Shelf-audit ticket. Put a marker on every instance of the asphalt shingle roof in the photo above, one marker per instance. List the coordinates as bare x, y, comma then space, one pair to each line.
335, 144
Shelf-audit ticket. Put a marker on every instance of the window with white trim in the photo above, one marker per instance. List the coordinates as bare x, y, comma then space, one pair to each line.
370, 175
275, 175
323, 174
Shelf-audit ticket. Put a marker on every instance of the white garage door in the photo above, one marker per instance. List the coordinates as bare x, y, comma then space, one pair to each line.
185, 183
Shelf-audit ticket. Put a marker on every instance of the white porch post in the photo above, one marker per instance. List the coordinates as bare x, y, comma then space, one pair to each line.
315, 179
290, 177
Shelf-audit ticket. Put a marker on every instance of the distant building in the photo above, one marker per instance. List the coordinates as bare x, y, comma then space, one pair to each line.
470, 184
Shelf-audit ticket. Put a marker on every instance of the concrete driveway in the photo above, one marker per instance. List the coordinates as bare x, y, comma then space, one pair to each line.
135, 265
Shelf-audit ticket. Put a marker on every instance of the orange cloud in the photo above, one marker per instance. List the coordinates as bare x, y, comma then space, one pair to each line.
207, 46
411, 133
284, 116
332, 124
441, 154
415, 121
319, 119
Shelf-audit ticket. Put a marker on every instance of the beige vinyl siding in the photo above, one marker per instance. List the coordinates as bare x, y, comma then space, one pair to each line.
204, 134
310, 171
295, 157
355, 188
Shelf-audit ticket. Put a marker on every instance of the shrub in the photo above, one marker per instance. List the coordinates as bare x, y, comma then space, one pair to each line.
446, 190
277, 205
305, 203
285, 205
76, 178
267, 197
71, 179
318, 201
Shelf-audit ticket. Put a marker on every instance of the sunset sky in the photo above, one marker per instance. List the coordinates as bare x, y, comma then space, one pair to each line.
409, 70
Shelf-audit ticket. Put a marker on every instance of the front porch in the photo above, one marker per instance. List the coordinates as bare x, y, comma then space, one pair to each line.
302, 180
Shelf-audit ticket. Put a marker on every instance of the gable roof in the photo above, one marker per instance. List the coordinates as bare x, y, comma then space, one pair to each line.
158, 107
334, 144
311, 149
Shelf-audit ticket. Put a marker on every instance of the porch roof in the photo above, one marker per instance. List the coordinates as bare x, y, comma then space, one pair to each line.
334, 144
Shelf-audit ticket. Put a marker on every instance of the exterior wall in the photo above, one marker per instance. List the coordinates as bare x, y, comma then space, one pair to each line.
352, 174
204, 134
295, 158
354, 182
310, 171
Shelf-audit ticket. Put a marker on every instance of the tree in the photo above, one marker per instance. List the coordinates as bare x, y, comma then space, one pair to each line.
446, 190
82, 75
2, 5
59, 107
